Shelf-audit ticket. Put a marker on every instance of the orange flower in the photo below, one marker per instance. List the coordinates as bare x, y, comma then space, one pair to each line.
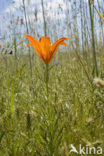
44, 48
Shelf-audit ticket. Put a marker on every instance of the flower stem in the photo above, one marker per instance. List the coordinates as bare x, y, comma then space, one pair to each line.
47, 82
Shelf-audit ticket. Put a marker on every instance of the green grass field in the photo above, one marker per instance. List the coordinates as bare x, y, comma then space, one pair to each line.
74, 114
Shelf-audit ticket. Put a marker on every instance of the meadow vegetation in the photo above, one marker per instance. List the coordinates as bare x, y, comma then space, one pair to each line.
74, 113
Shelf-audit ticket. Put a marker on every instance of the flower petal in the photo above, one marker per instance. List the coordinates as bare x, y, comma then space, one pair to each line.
46, 46
35, 44
55, 46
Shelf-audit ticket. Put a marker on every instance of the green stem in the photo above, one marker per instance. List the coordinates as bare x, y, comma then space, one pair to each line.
47, 82
27, 33
93, 37
42, 3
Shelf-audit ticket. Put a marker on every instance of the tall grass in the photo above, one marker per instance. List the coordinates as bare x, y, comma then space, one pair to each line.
44, 115
93, 36
74, 114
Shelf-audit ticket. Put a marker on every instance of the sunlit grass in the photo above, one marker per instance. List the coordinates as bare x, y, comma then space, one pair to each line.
74, 114
45, 118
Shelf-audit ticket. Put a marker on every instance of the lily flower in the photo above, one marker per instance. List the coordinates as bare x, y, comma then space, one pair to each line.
44, 48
